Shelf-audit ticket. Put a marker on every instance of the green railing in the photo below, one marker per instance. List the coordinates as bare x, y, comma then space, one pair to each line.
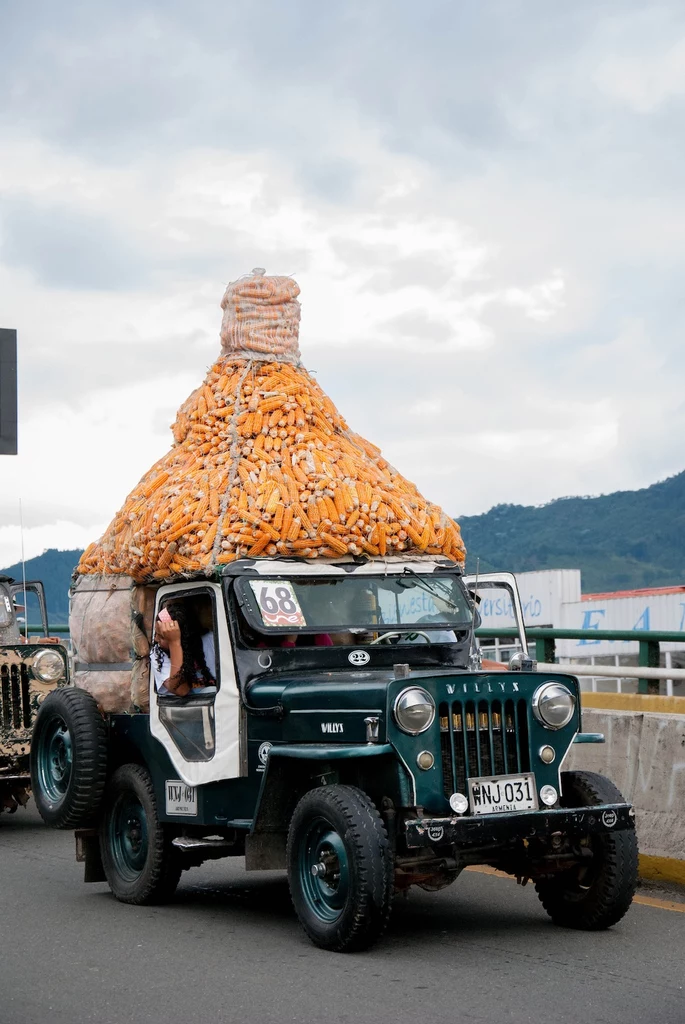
545, 638
37, 630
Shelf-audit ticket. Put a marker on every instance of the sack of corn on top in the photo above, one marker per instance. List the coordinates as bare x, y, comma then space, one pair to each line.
264, 464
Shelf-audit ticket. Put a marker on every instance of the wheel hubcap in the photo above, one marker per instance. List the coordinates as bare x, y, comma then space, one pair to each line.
324, 870
128, 836
55, 759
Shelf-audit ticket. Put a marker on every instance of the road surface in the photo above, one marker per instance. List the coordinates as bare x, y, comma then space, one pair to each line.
229, 948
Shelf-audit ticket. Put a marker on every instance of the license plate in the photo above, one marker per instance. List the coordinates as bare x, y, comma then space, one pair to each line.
180, 799
500, 793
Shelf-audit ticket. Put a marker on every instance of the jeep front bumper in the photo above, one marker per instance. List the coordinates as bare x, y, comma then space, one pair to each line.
491, 829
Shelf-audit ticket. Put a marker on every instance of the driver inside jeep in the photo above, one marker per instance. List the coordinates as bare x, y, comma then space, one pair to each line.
182, 656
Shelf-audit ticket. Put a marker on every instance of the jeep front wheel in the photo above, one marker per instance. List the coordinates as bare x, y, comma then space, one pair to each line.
140, 864
596, 893
340, 868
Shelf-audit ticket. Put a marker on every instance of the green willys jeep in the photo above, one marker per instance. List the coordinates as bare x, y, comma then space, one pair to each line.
28, 672
354, 740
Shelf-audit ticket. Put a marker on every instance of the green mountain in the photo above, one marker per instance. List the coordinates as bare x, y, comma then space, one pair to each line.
54, 568
619, 541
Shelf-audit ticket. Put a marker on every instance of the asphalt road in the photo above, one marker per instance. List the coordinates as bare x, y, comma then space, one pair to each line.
229, 948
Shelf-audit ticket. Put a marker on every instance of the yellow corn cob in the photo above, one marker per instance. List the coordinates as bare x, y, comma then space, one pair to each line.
294, 530
303, 517
299, 545
339, 502
413, 535
336, 545
274, 501
167, 555
269, 404
224, 412
352, 519
155, 484
259, 545
208, 539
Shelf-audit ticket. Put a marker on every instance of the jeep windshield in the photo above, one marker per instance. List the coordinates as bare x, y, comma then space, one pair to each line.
416, 607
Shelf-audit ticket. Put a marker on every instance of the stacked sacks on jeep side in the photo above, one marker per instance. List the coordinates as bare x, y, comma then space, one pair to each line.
264, 464
110, 622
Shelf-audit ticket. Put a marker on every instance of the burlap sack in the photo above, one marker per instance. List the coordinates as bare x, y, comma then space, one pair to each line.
142, 611
140, 684
100, 619
112, 690
110, 620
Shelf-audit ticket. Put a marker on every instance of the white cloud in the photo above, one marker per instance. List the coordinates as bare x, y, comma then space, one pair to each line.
645, 81
61, 534
490, 275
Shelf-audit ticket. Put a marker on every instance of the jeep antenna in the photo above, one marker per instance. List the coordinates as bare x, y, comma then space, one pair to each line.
23, 571
475, 657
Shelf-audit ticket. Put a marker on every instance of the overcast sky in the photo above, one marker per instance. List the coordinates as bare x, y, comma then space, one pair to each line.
482, 202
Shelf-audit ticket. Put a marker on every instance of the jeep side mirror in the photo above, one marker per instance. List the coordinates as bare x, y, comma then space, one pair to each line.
503, 581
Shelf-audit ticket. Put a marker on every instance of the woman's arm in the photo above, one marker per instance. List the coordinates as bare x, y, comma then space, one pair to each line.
171, 633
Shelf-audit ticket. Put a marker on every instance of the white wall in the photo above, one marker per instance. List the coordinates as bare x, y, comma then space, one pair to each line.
553, 598
542, 595
648, 611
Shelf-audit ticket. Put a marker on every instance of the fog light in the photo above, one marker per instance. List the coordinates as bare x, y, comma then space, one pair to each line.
459, 803
548, 795
425, 760
547, 754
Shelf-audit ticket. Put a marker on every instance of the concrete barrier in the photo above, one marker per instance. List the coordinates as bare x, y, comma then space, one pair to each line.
644, 755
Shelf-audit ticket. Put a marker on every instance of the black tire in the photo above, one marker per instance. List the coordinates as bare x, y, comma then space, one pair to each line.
597, 896
68, 758
140, 864
347, 907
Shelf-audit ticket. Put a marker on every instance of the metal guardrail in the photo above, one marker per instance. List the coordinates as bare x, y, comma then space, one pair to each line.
545, 637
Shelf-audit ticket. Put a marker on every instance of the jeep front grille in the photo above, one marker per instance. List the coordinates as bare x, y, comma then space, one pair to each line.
482, 739
15, 698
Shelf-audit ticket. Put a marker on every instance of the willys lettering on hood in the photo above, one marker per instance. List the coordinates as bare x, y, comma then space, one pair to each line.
484, 686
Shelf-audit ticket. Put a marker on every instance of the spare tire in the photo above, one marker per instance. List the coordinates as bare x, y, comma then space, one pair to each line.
68, 758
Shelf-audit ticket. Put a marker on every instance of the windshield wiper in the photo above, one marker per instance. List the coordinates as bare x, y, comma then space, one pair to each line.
425, 585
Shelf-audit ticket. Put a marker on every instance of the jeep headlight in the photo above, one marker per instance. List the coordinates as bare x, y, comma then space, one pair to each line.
48, 666
553, 705
414, 710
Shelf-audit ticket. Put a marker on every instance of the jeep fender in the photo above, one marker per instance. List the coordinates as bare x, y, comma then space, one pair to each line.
290, 772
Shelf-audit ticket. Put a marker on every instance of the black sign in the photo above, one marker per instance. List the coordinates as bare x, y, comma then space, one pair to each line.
8, 392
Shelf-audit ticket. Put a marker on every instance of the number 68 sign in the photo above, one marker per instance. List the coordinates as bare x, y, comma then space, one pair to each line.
278, 604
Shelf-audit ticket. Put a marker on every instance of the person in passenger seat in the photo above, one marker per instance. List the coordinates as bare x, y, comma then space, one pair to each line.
182, 656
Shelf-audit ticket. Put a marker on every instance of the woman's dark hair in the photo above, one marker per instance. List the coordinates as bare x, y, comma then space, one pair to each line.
191, 643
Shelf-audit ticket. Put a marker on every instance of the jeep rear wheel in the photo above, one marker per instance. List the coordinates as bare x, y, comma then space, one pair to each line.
140, 864
593, 895
68, 758
340, 868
